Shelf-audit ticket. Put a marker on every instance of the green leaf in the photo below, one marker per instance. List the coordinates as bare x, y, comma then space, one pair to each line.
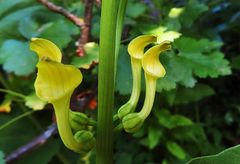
192, 11
235, 62
16, 57
9, 23
59, 32
188, 133
202, 57
7, 5
28, 28
134, 10
152, 29
187, 95
231, 156
176, 150
175, 12
90, 57
176, 72
201, 46
2, 161
154, 136
172, 121
16, 135
125, 158
124, 73
168, 35
32, 101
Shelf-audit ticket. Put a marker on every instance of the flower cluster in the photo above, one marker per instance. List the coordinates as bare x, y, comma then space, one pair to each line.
153, 70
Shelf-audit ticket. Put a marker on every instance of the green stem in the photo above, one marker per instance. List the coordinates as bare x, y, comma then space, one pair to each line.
92, 122
22, 107
118, 128
106, 82
15, 119
13, 93
150, 96
119, 26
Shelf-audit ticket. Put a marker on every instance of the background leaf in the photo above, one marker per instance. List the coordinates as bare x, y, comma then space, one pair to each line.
16, 57
176, 150
123, 82
230, 155
32, 101
90, 57
62, 36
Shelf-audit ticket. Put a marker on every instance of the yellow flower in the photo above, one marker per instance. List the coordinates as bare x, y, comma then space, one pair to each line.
153, 70
136, 50
55, 84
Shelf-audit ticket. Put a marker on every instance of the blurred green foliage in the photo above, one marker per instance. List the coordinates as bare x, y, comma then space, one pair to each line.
197, 108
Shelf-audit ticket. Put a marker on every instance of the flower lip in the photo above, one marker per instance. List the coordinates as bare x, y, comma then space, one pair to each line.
56, 80
45, 49
150, 61
137, 45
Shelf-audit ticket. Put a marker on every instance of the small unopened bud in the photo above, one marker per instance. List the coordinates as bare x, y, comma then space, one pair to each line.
132, 122
86, 139
125, 109
78, 121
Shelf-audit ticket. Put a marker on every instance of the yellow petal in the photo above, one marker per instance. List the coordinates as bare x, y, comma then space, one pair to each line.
137, 45
45, 49
56, 80
150, 61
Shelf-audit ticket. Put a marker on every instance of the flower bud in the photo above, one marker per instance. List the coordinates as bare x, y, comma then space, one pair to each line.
78, 121
132, 122
86, 139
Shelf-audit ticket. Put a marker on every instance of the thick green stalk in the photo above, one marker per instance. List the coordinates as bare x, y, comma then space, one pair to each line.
106, 82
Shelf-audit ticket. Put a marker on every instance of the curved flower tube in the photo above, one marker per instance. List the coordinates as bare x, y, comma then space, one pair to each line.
136, 51
153, 70
55, 84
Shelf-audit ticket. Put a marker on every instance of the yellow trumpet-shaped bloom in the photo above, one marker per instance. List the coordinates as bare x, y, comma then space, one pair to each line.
153, 70
136, 50
55, 84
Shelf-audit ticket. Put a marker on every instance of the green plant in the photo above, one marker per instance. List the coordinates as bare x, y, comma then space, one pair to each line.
196, 106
